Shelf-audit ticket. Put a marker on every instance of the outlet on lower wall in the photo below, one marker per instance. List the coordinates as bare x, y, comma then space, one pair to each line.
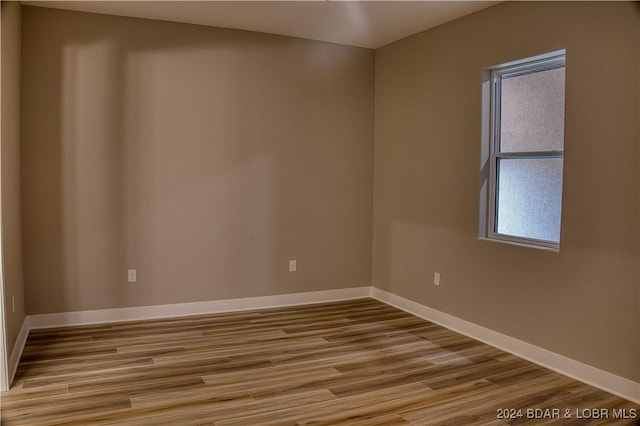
436, 279
293, 266
132, 275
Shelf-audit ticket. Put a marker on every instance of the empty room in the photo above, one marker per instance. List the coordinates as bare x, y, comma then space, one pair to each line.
320, 212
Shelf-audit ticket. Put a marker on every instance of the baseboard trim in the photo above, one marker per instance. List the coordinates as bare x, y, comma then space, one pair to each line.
601, 379
18, 347
65, 319
592, 376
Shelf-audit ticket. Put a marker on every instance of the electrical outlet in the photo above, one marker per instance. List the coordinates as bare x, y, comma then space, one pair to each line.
132, 275
293, 266
436, 279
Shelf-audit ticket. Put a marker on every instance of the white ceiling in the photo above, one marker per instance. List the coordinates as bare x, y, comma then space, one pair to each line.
358, 23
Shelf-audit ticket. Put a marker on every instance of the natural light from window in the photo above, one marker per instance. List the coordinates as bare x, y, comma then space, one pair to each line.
527, 101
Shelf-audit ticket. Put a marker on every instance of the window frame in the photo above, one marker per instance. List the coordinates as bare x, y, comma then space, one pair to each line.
531, 65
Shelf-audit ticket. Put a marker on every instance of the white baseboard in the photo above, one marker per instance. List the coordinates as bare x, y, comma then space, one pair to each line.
64, 319
601, 379
18, 347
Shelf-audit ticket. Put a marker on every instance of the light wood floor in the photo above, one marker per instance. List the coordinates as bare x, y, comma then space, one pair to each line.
357, 362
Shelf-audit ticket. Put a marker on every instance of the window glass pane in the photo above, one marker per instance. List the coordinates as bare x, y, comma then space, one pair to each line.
529, 198
532, 112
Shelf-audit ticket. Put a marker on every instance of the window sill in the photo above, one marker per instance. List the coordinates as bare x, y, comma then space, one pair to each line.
514, 243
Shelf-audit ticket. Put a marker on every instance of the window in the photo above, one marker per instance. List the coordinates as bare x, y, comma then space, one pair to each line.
523, 152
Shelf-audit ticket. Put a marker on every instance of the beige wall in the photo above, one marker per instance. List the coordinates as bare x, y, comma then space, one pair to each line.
204, 158
581, 302
10, 154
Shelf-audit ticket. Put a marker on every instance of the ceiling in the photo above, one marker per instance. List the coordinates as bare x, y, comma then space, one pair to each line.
369, 24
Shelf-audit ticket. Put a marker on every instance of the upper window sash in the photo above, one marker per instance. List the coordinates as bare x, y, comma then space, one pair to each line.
554, 61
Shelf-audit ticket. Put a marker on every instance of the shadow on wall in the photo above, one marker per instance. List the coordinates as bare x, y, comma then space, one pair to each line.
204, 158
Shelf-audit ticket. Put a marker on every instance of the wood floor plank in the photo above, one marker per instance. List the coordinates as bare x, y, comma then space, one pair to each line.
61, 407
357, 362
450, 406
333, 411
211, 411
266, 382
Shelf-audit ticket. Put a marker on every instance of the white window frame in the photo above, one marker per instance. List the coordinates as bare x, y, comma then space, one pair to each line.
492, 155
